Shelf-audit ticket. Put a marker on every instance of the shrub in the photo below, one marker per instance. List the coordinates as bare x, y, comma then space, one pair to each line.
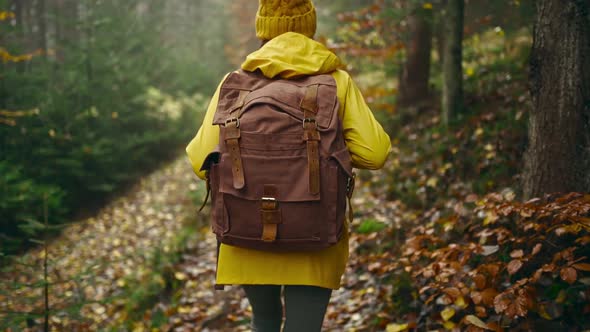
505, 264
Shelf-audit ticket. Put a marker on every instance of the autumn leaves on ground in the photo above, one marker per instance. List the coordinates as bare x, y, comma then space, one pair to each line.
146, 261
456, 260
129, 267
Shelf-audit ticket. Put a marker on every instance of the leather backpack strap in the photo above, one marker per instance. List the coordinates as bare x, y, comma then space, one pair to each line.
217, 286
232, 137
311, 135
349, 191
270, 213
208, 185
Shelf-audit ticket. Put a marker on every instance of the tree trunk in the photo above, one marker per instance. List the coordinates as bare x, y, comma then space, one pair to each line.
19, 9
413, 86
452, 94
42, 21
58, 33
243, 35
558, 155
89, 45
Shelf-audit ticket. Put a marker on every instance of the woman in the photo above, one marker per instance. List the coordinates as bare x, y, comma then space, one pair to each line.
286, 29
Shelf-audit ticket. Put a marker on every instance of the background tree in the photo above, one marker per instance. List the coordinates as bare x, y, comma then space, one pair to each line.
414, 76
242, 38
80, 83
558, 155
452, 89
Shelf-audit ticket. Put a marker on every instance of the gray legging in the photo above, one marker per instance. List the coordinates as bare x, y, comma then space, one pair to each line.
305, 307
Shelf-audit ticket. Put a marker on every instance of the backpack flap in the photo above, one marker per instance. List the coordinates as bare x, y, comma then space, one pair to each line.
261, 170
287, 95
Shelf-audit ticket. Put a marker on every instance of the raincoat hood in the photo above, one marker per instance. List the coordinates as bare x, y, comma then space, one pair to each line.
290, 55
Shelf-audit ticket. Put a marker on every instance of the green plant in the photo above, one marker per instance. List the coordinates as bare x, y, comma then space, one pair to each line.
370, 226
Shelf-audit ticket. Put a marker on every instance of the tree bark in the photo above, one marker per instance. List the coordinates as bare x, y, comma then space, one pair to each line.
19, 9
42, 21
413, 86
558, 155
452, 94
58, 33
243, 34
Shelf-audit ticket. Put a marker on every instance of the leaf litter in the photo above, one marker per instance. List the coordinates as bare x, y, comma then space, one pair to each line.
95, 264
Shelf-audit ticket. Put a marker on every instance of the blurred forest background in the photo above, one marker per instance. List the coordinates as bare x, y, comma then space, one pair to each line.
479, 220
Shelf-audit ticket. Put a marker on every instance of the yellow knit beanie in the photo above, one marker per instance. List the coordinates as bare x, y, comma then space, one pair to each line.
276, 17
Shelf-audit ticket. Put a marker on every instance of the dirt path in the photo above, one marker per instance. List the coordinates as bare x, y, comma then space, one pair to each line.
95, 264
94, 260
359, 305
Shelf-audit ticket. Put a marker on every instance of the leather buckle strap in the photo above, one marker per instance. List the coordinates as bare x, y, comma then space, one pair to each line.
313, 164
311, 135
350, 184
208, 184
232, 136
230, 120
270, 214
308, 121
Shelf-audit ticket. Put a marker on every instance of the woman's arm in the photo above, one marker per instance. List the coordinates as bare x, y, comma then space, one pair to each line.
206, 139
367, 142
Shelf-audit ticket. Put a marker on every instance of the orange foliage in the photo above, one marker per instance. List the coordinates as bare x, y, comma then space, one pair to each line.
499, 269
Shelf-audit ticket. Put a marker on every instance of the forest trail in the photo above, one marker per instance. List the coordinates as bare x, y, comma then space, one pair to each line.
96, 259
103, 257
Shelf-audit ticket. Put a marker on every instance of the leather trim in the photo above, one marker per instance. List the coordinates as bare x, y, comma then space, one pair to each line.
232, 135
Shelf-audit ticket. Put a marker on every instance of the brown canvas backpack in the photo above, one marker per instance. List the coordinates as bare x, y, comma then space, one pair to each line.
282, 173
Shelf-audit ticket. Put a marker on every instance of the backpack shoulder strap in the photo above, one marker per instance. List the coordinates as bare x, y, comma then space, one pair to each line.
311, 135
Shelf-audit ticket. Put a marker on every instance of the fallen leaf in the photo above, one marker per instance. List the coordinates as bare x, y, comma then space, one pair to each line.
480, 281
488, 250
460, 302
488, 295
481, 311
473, 320
476, 297
517, 253
582, 267
453, 292
449, 325
501, 303
447, 313
514, 266
568, 274
393, 327
432, 182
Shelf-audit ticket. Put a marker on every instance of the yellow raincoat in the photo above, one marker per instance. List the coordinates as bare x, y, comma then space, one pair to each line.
290, 55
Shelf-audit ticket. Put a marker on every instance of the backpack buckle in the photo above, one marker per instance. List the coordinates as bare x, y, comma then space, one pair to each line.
309, 120
232, 120
271, 203
270, 215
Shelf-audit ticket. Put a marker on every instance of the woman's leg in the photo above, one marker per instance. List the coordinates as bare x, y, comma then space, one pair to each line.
305, 308
267, 310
